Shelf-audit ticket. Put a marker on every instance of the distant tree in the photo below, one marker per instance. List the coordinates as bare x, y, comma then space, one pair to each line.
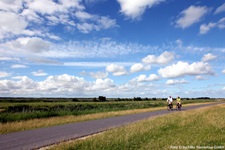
137, 99
75, 100
102, 98
154, 98
95, 99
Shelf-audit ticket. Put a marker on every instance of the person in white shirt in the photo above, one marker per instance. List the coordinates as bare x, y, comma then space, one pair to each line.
170, 102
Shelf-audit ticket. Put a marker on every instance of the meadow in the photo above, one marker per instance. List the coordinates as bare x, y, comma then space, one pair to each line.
202, 128
25, 114
25, 109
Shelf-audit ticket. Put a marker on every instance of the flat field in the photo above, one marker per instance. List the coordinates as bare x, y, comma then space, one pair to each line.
24, 115
202, 128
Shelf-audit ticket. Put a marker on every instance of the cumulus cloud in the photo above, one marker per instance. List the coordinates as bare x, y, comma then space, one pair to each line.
62, 85
19, 87
14, 24
39, 73
220, 9
190, 16
139, 67
117, 70
172, 82
205, 28
183, 68
208, 57
33, 44
102, 84
134, 9
164, 58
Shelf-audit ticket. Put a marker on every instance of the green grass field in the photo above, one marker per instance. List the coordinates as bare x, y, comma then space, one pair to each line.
11, 112
33, 115
19, 111
195, 129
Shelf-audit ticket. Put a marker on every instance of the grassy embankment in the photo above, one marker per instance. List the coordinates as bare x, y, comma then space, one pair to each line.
86, 111
202, 128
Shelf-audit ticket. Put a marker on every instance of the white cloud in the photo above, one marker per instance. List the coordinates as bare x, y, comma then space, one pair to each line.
220, 9
200, 77
19, 66
208, 57
96, 64
31, 16
39, 73
164, 58
22, 15
9, 58
83, 15
139, 67
144, 78
91, 49
102, 84
172, 82
191, 15
3, 74
116, 70
33, 44
134, 9
205, 28
60, 85
179, 43
19, 87
98, 75
183, 68
10, 5
12, 25
50, 7
96, 24
223, 71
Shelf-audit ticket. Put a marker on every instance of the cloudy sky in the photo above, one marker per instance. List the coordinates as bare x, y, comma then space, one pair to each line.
114, 48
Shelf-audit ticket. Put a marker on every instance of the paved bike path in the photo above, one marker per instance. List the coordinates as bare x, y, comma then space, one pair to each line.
36, 138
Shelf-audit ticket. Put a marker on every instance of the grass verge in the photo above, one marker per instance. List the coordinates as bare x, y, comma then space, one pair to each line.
197, 129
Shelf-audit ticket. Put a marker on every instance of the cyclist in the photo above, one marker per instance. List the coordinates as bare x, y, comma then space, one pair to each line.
178, 102
170, 102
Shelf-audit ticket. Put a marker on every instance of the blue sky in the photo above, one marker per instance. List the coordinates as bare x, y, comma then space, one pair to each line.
114, 48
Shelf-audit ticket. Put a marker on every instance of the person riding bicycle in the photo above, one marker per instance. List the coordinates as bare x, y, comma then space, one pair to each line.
170, 101
178, 101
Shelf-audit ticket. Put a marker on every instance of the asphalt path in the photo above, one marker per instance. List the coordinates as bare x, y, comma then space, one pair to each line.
37, 138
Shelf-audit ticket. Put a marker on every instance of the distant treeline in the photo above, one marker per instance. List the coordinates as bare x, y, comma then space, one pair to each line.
95, 99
